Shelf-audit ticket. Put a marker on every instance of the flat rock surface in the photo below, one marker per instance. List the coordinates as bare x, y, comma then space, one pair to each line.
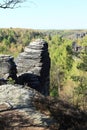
17, 108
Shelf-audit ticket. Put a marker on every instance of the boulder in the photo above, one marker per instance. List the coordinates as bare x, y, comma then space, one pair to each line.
7, 68
33, 66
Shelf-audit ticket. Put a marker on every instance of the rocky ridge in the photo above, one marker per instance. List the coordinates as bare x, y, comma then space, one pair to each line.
33, 66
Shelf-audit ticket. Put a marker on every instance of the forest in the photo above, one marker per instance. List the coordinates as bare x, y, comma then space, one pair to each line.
68, 53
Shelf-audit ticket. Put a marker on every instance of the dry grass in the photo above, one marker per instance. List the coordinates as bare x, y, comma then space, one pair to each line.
67, 116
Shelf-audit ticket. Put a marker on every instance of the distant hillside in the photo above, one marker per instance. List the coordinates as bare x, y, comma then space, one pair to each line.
72, 34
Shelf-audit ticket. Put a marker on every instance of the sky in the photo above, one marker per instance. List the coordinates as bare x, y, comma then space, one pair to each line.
46, 14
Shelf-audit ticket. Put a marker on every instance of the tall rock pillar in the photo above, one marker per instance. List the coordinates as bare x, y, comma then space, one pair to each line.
33, 66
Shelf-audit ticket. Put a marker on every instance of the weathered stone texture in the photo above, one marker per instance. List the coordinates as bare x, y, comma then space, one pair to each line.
7, 68
33, 66
17, 99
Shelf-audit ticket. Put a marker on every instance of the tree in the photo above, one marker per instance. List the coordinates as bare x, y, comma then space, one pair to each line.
10, 3
80, 90
83, 65
61, 63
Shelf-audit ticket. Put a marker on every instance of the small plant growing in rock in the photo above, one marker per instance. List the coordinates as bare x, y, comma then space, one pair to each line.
10, 81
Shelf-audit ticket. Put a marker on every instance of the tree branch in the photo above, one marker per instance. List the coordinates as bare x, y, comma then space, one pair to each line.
10, 3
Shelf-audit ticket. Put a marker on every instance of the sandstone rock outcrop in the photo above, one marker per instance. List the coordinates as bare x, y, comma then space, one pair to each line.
26, 109
7, 68
16, 101
33, 66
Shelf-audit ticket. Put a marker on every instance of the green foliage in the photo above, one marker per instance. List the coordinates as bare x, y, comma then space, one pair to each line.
80, 90
69, 62
10, 81
56, 39
82, 84
61, 62
67, 65
3, 49
54, 92
12, 41
83, 64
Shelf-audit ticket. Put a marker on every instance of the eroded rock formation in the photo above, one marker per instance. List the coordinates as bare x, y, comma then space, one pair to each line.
7, 68
33, 66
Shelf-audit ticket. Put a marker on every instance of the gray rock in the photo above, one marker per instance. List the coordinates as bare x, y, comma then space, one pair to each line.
7, 67
15, 97
35, 62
